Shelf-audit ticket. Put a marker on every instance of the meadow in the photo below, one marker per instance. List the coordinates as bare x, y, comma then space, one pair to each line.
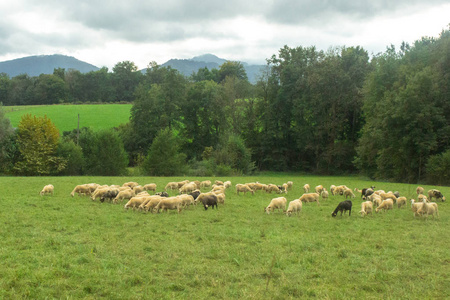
59, 247
65, 117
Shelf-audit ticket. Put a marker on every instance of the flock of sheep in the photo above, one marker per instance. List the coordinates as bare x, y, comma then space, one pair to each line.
189, 193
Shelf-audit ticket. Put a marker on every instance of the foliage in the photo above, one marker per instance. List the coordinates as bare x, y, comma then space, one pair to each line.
232, 154
164, 157
73, 155
7, 143
438, 169
38, 140
104, 153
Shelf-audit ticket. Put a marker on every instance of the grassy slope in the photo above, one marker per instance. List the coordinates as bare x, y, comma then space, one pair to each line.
65, 117
63, 247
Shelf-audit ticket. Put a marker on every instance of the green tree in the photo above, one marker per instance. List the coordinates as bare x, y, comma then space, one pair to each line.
73, 155
164, 157
232, 69
38, 140
4, 88
49, 89
125, 78
7, 143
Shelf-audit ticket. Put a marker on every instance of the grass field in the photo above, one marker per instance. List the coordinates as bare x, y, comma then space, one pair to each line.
70, 248
65, 117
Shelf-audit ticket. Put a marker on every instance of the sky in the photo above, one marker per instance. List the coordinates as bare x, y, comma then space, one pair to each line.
104, 33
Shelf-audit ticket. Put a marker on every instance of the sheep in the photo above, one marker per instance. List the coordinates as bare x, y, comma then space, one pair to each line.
208, 199
310, 197
348, 193
186, 200
435, 194
218, 182
422, 197
318, 189
81, 189
285, 187
220, 189
332, 188
195, 195
419, 190
276, 203
181, 183
258, 187
110, 194
127, 194
162, 194
366, 208
134, 202
146, 200
187, 188
295, 206
272, 188
428, 209
171, 203
131, 184
138, 189
206, 183
388, 195
220, 198
324, 194
415, 207
290, 185
343, 207
339, 190
243, 188
150, 187
227, 184
99, 192
171, 186
48, 189
401, 201
306, 188
367, 192
152, 202
124, 188
385, 205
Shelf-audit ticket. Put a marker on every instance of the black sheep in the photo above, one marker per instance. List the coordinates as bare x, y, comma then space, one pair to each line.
111, 194
343, 207
162, 194
208, 200
195, 194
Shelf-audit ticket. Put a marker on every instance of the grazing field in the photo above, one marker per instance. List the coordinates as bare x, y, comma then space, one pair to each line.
63, 247
65, 117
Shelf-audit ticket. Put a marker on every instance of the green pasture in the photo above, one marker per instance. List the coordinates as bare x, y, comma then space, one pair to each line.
65, 117
59, 247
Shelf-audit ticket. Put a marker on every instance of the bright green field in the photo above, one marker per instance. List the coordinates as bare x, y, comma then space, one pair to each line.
59, 247
65, 117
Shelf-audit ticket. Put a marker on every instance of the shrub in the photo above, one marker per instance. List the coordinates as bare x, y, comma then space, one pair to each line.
73, 155
438, 169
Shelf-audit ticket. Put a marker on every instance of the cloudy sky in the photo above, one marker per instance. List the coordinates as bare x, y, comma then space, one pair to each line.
105, 32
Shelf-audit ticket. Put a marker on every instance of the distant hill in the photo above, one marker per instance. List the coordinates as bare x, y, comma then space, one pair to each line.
189, 66
43, 64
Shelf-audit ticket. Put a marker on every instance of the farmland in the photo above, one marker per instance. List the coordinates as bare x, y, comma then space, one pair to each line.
63, 247
65, 117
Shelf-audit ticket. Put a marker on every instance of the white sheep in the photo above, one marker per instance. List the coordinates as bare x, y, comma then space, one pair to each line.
131, 184
48, 189
171, 203
401, 201
81, 189
366, 208
243, 188
306, 188
415, 206
386, 205
276, 203
419, 190
171, 186
348, 193
290, 185
206, 183
428, 209
319, 189
126, 194
150, 187
134, 202
188, 188
295, 206
310, 197
324, 194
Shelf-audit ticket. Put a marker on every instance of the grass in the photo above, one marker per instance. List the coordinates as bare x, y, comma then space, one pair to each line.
63, 247
65, 117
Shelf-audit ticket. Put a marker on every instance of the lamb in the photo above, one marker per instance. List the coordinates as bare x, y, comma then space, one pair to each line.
419, 190
435, 194
272, 188
243, 188
48, 189
295, 206
131, 184
348, 193
208, 199
343, 207
171, 186
318, 189
206, 183
81, 189
385, 205
324, 194
134, 202
311, 197
415, 207
401, 201
188, 188
276, 203
171, 203
127, 194
428, 209
306, 188
366, 208
150, 187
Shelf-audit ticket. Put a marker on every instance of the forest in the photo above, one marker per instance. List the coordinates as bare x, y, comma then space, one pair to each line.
340, 111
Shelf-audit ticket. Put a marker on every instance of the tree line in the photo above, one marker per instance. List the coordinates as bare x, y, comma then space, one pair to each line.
325, 112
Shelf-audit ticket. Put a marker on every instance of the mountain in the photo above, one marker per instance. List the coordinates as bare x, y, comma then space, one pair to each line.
189, 66
43, 64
